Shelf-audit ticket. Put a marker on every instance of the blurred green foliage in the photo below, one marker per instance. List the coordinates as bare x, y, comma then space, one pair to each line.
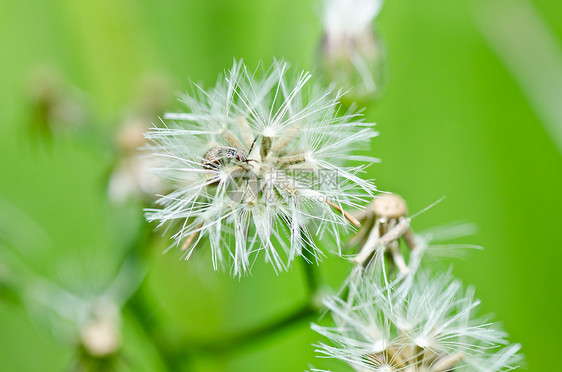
452, 120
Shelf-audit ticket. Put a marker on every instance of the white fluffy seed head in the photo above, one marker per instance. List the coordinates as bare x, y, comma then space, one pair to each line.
257, 164
424, 323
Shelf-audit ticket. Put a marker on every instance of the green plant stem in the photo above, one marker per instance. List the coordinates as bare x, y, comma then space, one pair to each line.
137, 304
166, 351
311, 277
174, 354
310, 268
234, 342
10, 293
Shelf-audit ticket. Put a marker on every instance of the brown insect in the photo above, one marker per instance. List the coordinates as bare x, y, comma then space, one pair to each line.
213, 159
221, 155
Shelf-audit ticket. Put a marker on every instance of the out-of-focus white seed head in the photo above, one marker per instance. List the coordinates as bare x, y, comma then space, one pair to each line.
130, 137
57, 107
100, 334
352, 54
258, 164
83, 308
100, 338
132, 177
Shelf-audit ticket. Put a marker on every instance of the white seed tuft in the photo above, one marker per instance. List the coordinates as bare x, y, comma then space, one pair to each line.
420, 323
257, 165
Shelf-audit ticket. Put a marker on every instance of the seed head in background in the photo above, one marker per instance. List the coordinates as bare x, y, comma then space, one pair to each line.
420, 323
80, 303
56, 107
351, 53
130, 177
257, 164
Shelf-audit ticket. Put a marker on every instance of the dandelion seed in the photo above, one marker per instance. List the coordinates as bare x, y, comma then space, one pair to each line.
416, 324
257, 165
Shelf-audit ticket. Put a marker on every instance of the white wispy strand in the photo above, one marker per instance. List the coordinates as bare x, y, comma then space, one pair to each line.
274, 126
416, 324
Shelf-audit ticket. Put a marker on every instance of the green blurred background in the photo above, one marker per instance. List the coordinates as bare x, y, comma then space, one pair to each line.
453, 120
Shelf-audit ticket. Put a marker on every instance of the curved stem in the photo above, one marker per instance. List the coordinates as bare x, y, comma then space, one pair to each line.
138, 307
311, 277
310, 269
173, 355
245, 338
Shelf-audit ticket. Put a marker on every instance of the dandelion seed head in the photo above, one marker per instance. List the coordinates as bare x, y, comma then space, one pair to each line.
257, 164
426, 323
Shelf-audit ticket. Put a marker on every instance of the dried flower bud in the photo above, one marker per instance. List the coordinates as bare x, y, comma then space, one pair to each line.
132, 177
384, 223
389, 206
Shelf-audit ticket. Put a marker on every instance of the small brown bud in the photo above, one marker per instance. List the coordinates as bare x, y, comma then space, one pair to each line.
389, 206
